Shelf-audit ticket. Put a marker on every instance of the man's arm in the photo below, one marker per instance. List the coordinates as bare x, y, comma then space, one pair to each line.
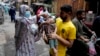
44, 37
67, 42
78, 34
86, 28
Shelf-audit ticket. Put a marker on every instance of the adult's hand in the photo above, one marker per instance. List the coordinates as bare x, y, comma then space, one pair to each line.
86, 40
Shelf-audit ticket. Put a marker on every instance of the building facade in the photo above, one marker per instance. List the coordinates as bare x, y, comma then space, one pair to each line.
76, 4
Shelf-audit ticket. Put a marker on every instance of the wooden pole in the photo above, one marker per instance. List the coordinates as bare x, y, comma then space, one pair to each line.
84, 7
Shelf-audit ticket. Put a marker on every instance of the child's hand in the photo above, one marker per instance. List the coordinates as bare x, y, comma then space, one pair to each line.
50, 20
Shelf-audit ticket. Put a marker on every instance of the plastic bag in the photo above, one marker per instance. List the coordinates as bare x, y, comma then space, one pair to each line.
92, 50
34, 28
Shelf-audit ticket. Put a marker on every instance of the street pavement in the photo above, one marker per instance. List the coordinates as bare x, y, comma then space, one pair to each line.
7, 42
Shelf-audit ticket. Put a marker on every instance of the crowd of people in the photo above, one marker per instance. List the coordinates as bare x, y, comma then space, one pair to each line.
62, 33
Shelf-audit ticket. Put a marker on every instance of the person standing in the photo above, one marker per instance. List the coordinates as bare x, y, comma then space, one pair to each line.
6, 11
66, 31
12, 13
24, 38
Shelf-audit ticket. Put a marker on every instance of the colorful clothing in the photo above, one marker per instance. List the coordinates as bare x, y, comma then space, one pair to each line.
67, 31
50, 29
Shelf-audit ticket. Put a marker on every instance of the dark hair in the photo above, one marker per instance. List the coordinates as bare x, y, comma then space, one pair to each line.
79, 12
66, 8
25, 3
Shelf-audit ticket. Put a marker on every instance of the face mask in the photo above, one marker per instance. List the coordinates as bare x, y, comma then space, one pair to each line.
27, 14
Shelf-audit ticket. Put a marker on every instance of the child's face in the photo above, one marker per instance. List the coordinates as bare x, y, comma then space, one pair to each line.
45, 16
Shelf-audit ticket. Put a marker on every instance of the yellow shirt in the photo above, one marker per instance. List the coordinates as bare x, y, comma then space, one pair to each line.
67, 31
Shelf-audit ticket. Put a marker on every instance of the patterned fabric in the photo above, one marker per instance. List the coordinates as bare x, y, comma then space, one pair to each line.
48, 28
24, 39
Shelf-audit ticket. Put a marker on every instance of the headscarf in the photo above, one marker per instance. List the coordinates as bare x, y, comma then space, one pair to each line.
23, 9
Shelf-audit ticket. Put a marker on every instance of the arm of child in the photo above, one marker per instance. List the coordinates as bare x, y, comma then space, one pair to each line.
45, 38
55, 29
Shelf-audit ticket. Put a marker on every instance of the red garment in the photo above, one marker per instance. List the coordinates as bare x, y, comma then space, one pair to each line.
39, 10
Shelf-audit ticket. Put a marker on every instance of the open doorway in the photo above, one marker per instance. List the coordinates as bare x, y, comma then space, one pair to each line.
94, 6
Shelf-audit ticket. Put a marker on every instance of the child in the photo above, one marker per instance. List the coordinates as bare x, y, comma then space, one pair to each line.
48, 28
